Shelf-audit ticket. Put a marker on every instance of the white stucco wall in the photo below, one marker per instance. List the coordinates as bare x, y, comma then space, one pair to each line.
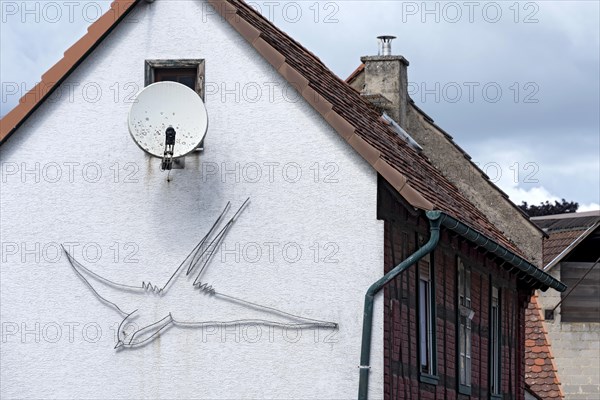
576, 349
50, 347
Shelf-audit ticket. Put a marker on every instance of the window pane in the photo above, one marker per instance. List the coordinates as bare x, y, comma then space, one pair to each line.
461, 283
188, 81
462, 370
423, 314
495, 343
468, 338
185, 76
468, 372
468, 287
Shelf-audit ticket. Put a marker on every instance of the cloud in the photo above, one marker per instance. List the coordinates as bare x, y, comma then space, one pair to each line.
531, 196
588, 207
534, 174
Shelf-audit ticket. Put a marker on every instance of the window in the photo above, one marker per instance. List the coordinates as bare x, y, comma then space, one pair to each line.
465, 315
427, 346
187, 72
185, 76
495, 344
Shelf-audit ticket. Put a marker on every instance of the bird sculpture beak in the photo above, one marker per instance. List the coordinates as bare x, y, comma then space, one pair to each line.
119, 344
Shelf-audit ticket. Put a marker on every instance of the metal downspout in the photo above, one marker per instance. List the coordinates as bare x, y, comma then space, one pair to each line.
435, 219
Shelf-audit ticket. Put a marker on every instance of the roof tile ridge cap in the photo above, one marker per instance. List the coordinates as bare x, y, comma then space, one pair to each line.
410, 190
93, 33
355, 73
542, 321
247, 8
39, 92
337, 121
11, 118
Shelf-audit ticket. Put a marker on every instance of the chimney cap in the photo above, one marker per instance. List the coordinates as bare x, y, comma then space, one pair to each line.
385, 47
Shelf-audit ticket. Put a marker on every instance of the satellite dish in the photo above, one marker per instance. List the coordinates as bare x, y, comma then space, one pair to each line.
168, 120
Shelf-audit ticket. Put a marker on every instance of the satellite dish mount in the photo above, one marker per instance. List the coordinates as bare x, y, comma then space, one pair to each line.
167, 161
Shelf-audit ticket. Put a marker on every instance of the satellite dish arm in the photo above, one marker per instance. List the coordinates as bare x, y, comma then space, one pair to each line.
167, 162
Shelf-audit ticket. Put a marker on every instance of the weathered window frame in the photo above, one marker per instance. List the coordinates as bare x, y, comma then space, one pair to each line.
463, 327
495, 346
427, 346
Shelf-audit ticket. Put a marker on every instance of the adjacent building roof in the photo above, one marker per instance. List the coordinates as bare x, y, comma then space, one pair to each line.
355, 119
541, 374
565, 232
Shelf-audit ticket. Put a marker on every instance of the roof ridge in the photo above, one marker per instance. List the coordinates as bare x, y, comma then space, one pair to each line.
250, 9
375, 136
351, 116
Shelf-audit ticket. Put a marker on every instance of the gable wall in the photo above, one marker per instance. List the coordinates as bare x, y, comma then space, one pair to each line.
143, 226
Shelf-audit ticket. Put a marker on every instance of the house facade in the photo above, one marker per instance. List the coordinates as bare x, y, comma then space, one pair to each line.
572, 318
471, 344
301, 200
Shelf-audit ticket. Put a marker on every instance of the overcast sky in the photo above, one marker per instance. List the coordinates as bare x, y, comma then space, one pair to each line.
515, 83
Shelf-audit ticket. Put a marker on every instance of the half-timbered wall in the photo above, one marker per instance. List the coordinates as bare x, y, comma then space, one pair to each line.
402, 379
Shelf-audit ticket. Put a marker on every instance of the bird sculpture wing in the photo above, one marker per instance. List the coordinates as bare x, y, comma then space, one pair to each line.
110, 293
116, 294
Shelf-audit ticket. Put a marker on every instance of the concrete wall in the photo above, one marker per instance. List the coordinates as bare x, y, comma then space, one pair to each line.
475, 187
386, 75
309, 243
576, 349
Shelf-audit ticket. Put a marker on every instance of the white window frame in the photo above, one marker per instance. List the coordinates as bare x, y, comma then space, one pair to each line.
426, 315
426, 321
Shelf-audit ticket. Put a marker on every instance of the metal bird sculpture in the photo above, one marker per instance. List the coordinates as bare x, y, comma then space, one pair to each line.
156, 306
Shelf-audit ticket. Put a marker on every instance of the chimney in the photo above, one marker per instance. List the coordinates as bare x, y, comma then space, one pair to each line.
386, 76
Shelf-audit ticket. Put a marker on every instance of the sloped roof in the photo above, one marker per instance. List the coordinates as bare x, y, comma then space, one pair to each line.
567, 220
356, 73
565, 232
558, 242
359, 71
59, 71
540, 371
357, 121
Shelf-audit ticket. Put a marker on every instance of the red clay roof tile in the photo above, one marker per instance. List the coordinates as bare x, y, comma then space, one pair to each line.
540, 372
557, 242
75, 54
